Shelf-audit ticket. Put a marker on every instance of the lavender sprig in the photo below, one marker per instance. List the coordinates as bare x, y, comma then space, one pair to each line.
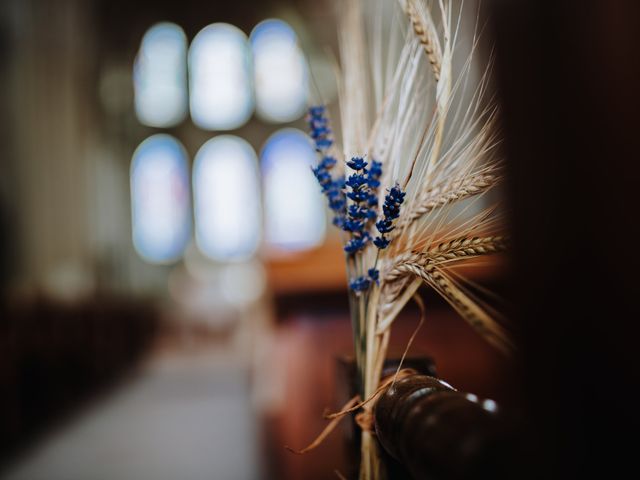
391, 211
361, 188
373, 175
360, 284
332, 188
319, 128
359, 212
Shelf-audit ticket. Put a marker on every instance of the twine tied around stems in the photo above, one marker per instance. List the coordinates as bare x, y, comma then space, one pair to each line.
364, 419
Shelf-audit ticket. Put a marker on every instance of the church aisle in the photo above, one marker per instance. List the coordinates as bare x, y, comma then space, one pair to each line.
182, 416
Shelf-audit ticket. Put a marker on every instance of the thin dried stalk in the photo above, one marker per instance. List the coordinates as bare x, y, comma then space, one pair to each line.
392, 304
354, 82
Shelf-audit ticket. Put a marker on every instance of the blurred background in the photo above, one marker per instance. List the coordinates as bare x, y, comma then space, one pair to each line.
172, 301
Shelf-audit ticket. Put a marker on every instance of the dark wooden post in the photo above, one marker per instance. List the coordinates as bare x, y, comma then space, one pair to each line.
569, 81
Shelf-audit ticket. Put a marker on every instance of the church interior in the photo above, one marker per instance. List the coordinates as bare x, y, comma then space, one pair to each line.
173, 296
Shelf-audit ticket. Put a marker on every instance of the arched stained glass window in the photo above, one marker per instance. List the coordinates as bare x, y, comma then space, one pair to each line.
220, 78
227, 199
280, 72
294, 213
160, 199
160, 76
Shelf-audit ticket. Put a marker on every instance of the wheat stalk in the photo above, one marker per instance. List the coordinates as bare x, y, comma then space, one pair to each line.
354, 83
396, 277
441, 195
458, 249
468, 309
425, 30
463, 248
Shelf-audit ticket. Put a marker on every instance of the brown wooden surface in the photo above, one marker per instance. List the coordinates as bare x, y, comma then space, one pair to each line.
568, 76
307, 352
323, 269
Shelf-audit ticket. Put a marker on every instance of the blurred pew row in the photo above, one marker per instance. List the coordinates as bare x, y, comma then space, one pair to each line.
54, 357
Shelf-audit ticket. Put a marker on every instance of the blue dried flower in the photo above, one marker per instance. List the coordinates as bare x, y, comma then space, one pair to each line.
339, 183
333, 189
355, 244
384, 226
319, 129
330, 189
381, 242
358, 196
315, 124
373, 183
374, 274
360, 284
323, 144
374, 174
322, 175
356, 180
358, 212
353, 225
317, 110
391, 211
328, 162
375, 170
337, 204
396, 194
361, 189
357, 163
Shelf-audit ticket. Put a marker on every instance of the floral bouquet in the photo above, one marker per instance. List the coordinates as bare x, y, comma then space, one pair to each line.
411, 184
